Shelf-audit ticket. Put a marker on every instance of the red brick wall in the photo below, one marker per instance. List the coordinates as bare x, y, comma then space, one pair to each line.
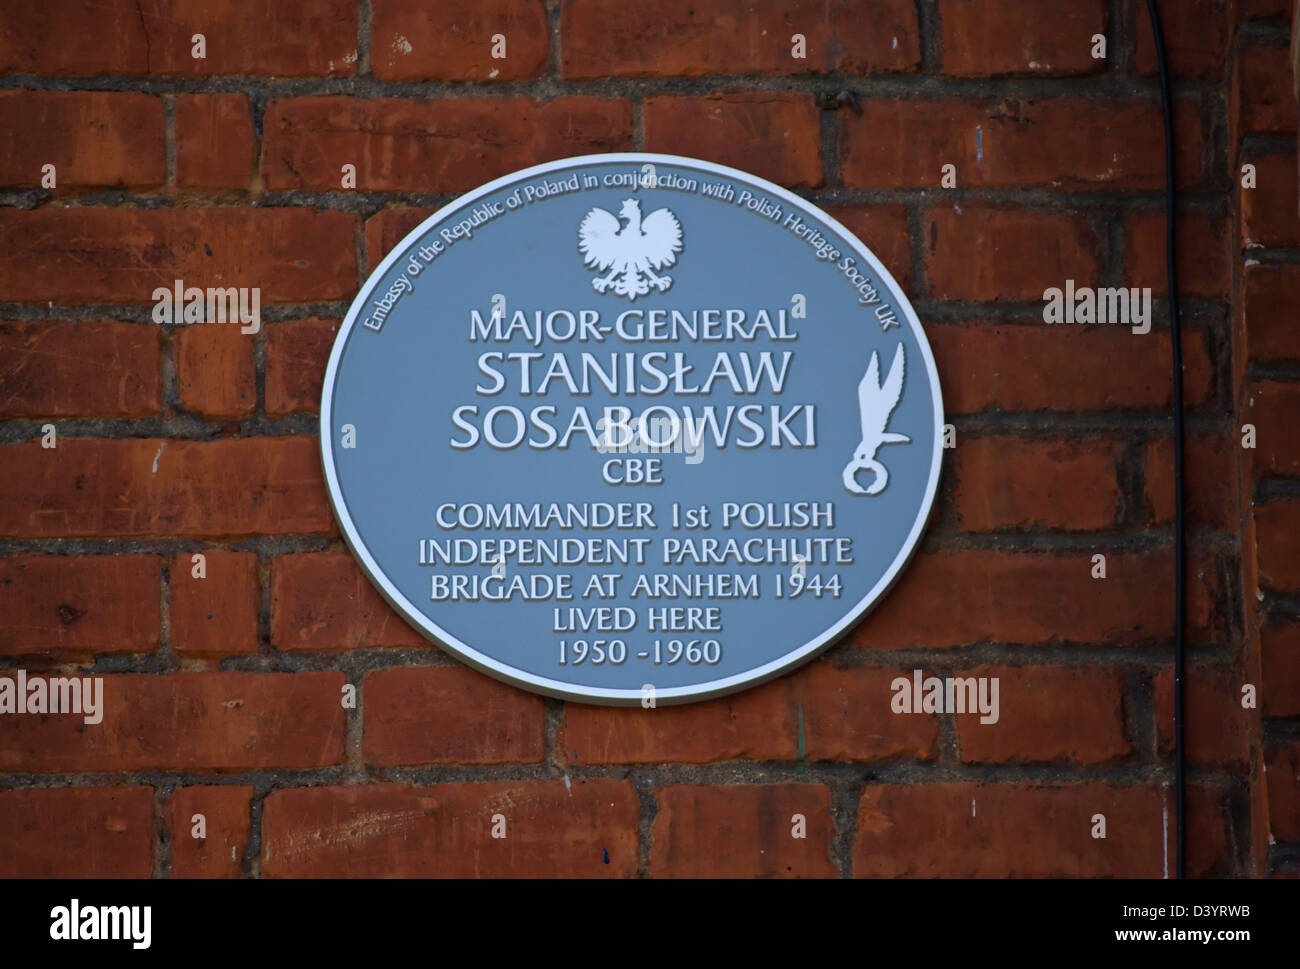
171, 441
1266, 394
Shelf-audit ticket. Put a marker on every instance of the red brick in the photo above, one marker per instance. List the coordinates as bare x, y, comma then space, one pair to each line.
57, 369
1263, 93
1063, 143
1008, 482
585, 828
1209, 486
772, 134
190, 722
834, 714
442, 145
80, 604
77, 832
884, 230
290, 38
297, 353
984, 39
1269, 211
1283, 778
1017, 368
1278, 523
322, 601
87, 255
216, 614
1196, 34
449, 715
1204, 253
386, 228
1280, 691
978, 251
215, 373
682, 38
1251, 597
1056, 598
1269, 298
743, 831
216, 143
1257, 842
843, 710
1218, 730
453, 40
1048, 714
1209, 853
226, 812
92, 138
966, 829
1271, 406
85, 487
758, 724
1265, 9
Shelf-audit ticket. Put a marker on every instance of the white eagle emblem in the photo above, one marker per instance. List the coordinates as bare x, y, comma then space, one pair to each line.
631, 253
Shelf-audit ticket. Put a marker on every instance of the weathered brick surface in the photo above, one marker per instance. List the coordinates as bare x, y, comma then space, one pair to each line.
89, 832
985, 366
1209, 485
982, 39
1058, 143
1058, 600
1047, 714
1204, 257
54, 369
682, 38
1006, 482
297, 352
66, 255
215, 373
84, 487
1269, 304
449, 716
994, 253
818, 713
743, 831
584, 829
217, 722
979, 830
1195, 32
454, 40
291, 38
225, 820
1271, 408
1268, 211
216, 142
772, 135
448, 145
80, 604
321, 600
214, 603
92, 138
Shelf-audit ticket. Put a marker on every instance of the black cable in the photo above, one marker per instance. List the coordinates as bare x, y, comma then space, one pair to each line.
1180, 550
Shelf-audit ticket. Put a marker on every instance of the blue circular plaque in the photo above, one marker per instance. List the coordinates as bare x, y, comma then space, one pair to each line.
631, 428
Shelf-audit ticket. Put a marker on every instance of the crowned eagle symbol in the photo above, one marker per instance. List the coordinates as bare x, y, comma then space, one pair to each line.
630, 253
